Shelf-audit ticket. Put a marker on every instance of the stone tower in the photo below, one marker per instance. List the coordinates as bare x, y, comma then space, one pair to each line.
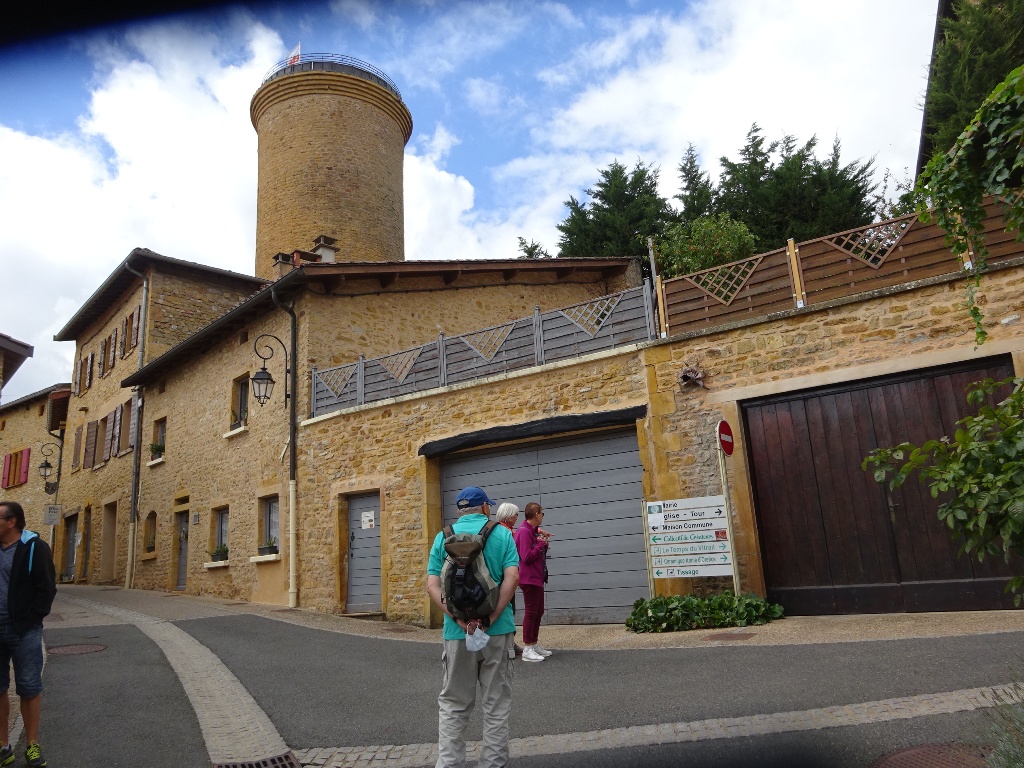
332, 133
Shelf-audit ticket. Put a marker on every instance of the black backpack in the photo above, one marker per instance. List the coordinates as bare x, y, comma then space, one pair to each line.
467, 587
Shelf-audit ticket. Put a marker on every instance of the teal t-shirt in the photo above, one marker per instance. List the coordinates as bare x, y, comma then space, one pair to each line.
499, 553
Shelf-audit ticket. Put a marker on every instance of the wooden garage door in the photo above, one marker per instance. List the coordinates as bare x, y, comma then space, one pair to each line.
834, 540
591, 489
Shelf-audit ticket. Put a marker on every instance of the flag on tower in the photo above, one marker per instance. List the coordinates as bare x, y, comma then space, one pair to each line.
293, 57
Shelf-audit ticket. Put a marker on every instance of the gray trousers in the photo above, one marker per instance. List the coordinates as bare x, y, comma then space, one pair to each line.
462, 671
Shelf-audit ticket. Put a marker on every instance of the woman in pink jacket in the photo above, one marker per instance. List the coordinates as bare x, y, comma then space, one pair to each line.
532, 543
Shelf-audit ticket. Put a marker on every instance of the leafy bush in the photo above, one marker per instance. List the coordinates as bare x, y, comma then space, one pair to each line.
682, 612
1007, 723
703, 243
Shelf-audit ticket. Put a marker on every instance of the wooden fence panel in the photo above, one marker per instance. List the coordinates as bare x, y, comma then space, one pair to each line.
831, 271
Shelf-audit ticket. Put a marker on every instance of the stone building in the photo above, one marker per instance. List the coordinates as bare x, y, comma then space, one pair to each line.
574, 383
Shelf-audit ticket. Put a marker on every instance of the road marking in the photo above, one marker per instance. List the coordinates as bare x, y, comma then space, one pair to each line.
234, 726
905, 708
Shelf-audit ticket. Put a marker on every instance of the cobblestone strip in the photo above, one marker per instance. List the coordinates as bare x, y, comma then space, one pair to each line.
234, 726
418, 755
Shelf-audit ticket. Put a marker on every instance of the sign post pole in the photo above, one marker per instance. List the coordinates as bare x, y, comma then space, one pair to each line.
725, 444
647, 550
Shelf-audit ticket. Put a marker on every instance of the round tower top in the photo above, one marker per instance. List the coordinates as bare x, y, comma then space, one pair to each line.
331, 62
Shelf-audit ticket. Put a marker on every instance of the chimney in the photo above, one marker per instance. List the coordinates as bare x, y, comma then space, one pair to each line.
324, 247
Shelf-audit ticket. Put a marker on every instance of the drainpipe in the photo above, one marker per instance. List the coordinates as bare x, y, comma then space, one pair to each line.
133, 508
293, 586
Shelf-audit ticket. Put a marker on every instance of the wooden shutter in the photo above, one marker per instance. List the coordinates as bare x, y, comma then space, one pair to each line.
108, 442
7, 469
135, 325
111, 354
115, 438
134, 420
124, 335
77, 380
25, 464
88, 371
78, 449
90, 445
103, 358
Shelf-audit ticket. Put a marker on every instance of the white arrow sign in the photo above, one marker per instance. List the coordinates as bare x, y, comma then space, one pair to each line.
699, 548
693, 573
691, 525
687, 561
691, 536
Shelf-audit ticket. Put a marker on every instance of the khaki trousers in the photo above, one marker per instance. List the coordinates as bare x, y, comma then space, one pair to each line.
462, 671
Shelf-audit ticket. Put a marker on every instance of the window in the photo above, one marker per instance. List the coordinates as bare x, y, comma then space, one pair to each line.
156, 448
124, 433
89, 459
149, 532
16, 467
103, 431
42, 409
3, 424
103, 358
239, 401
269, 521
220, 528
130, 331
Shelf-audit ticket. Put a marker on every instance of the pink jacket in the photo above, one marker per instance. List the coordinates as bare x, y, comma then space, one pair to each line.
532, 549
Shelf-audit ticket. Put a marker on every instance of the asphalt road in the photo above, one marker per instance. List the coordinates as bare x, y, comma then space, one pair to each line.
124, 706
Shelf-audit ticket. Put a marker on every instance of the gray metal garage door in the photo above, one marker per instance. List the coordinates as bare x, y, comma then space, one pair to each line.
591, 489
363, 555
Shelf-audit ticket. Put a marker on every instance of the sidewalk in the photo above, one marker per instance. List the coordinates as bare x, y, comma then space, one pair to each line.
796, 630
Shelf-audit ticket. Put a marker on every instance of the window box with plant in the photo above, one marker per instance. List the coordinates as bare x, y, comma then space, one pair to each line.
268, 547
151, 545
156, 451
219, 554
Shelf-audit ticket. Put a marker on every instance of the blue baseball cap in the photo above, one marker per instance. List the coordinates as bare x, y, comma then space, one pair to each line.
472, 497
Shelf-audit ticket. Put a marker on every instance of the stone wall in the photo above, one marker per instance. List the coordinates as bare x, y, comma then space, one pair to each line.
24, 426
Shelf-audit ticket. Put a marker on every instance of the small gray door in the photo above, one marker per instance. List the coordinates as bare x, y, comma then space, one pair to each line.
363, 554
591, 488
86, 543
182, 520
71, 531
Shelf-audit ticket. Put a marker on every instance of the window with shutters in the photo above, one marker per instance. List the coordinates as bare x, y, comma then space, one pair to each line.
123, 337
91, 430
239, 401
125, 433
130, 331
16, 468
149, 532
76, 455
112, 349
103, 358
88, 370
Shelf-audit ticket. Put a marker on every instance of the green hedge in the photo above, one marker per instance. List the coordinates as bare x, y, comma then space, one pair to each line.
682, 612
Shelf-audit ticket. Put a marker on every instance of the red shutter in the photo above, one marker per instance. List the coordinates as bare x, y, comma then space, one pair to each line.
135, 325
90, 445
78, 448
23, 474
7, 469
88, 371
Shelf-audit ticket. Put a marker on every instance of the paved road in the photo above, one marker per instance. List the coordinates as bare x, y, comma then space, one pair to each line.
186, 681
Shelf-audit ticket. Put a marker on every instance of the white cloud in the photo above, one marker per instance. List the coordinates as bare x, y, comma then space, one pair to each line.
159, 162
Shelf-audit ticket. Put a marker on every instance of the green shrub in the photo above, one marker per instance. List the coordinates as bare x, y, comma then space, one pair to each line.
1007, 725
682, 612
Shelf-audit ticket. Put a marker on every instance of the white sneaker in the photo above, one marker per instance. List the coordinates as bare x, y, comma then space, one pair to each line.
530, 654
542, 651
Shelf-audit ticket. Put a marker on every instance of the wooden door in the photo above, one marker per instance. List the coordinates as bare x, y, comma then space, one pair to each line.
834, 540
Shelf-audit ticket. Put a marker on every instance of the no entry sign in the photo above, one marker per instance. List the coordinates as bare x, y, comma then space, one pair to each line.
725, 437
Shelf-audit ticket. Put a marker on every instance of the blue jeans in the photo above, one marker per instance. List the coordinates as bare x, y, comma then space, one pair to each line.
26, 650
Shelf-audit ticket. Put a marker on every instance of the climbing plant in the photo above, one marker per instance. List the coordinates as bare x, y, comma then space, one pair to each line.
987, 159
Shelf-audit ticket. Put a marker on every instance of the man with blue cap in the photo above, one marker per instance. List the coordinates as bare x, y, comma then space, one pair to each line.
489, 667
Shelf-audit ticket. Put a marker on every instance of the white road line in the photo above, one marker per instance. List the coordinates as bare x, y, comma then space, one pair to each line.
417, 755
234, 726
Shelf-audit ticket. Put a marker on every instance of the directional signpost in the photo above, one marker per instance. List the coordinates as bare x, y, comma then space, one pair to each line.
692, 538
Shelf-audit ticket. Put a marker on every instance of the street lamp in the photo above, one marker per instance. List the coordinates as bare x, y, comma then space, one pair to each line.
262, 385
46, 468
262, 382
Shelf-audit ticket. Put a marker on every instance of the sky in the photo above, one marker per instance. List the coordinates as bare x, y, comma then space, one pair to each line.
139, 135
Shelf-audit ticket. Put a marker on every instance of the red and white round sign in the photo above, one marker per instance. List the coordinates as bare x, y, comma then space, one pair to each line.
725, 437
